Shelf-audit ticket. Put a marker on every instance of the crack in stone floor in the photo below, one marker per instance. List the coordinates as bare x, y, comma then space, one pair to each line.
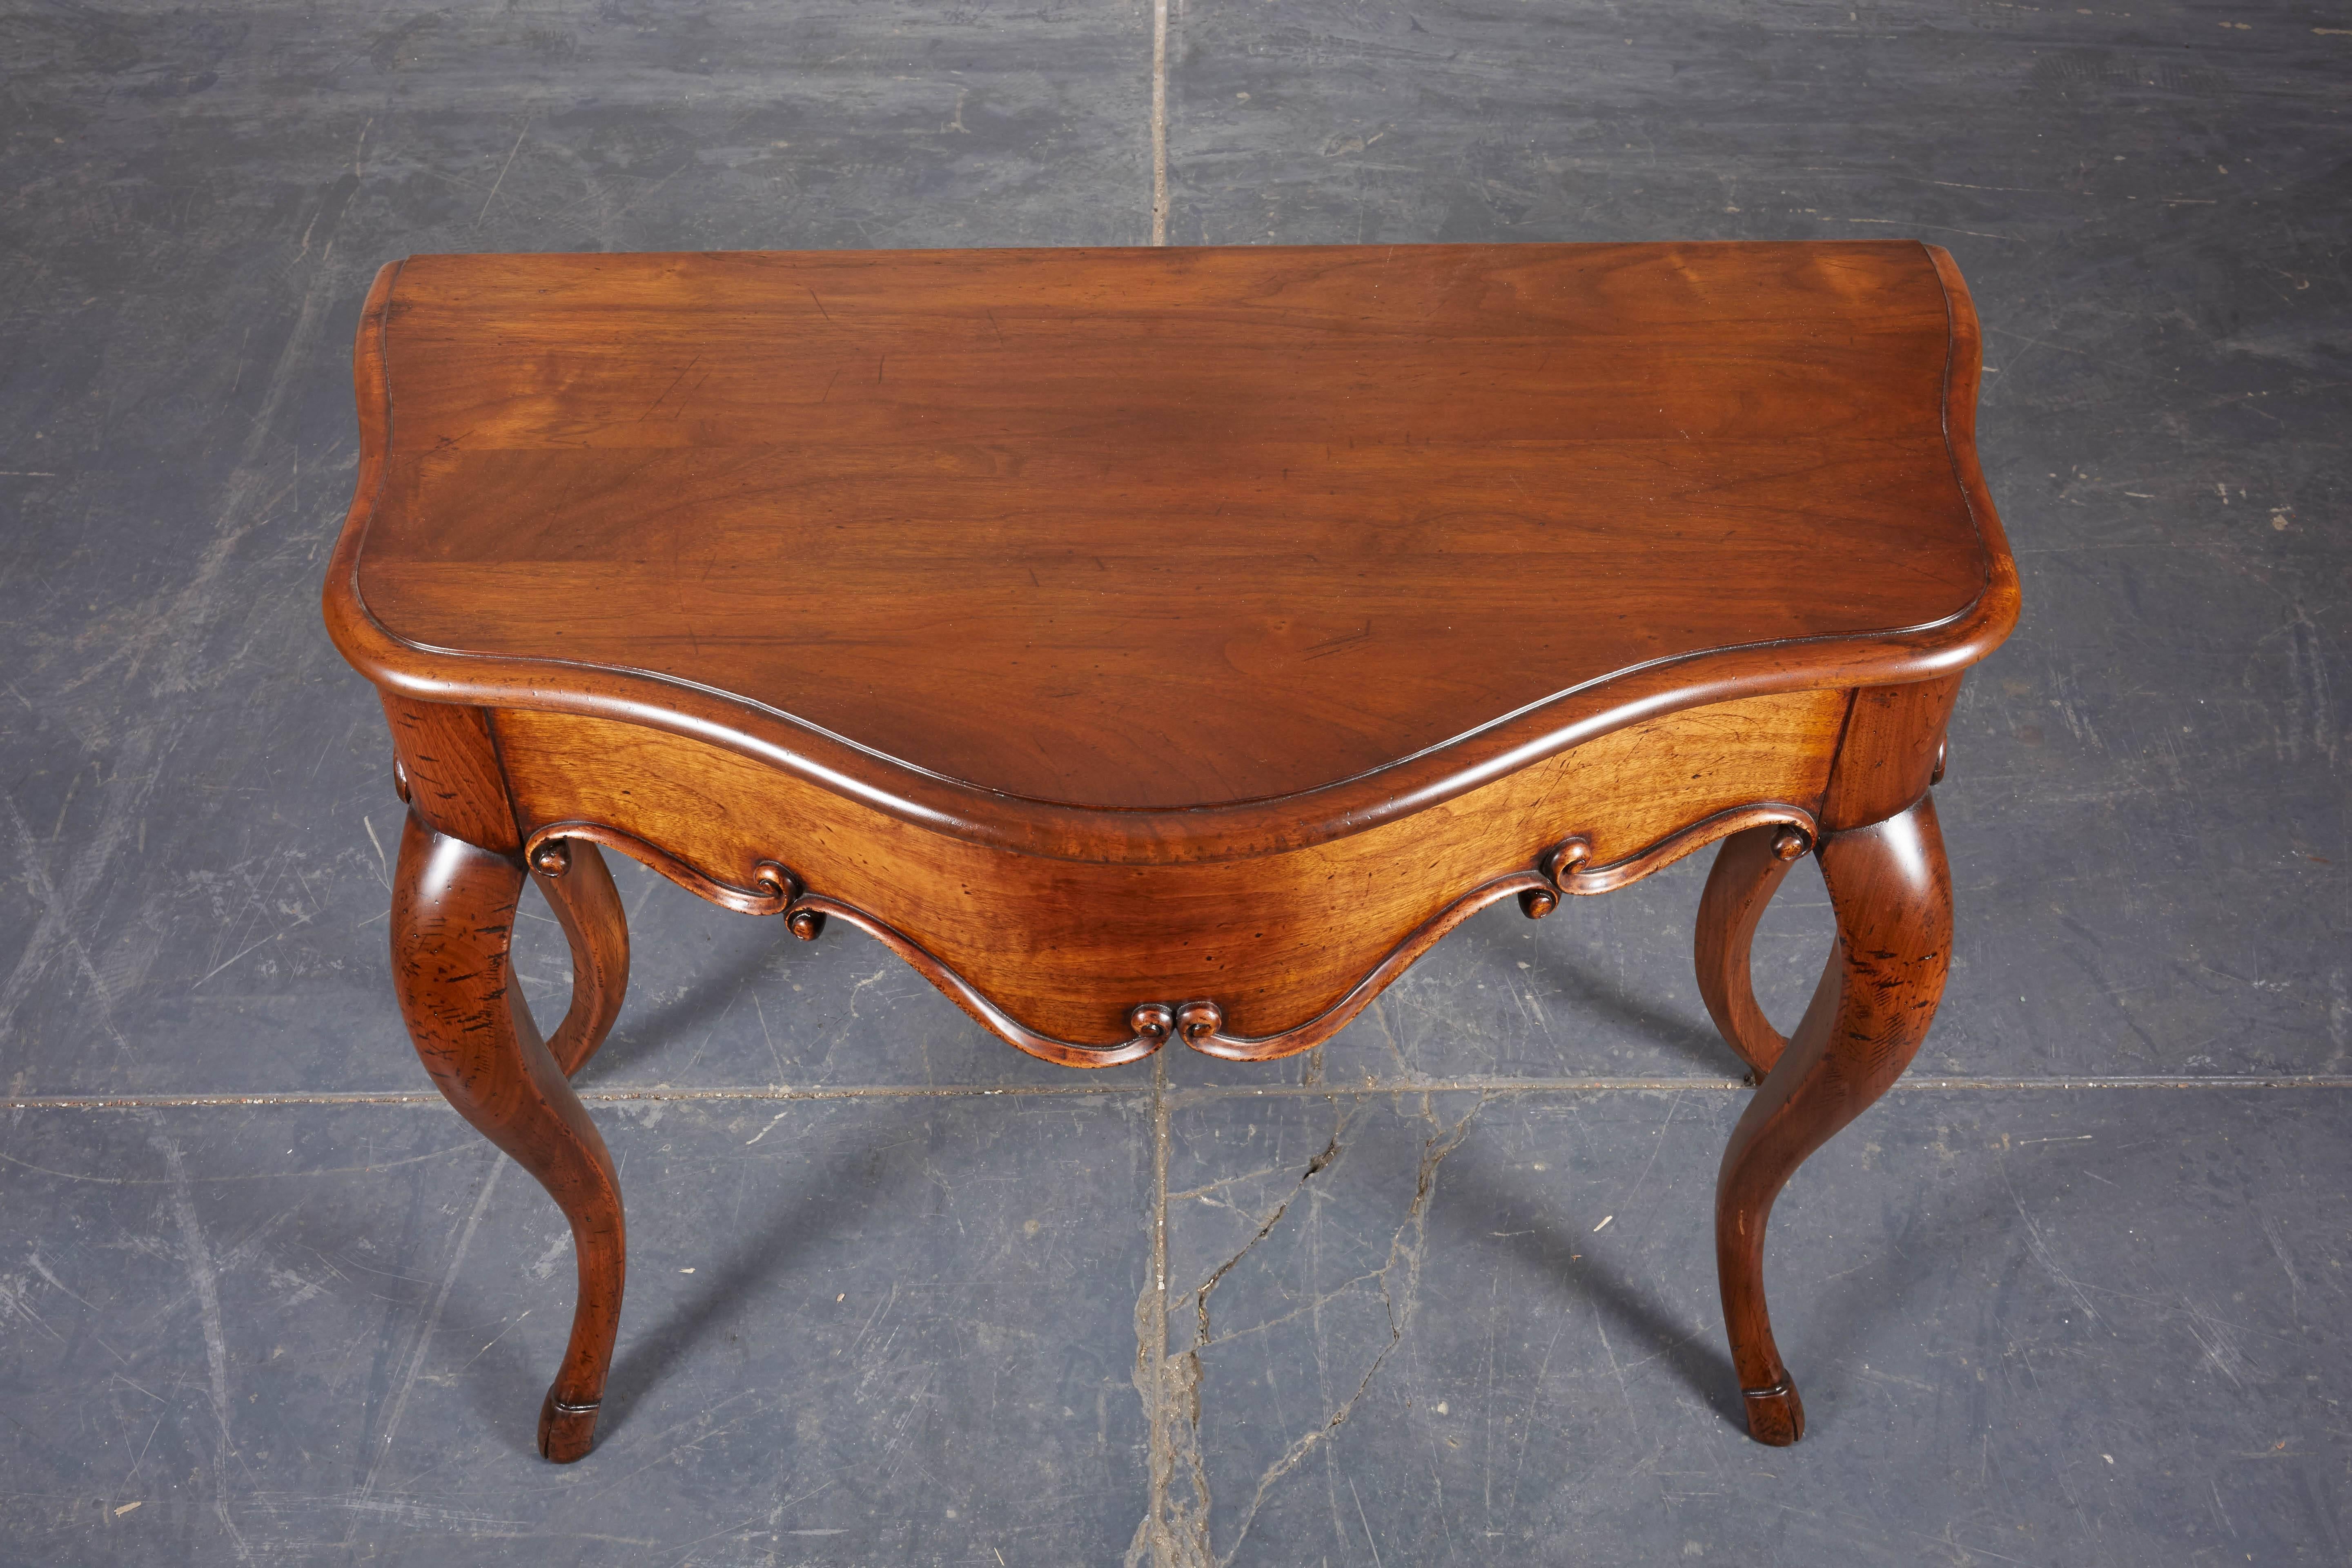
1175, 1530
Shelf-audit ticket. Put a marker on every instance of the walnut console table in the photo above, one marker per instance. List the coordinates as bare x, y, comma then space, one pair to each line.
1158, 646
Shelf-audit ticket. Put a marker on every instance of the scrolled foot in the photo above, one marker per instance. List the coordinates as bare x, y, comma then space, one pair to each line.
1776, 1417
1892, 893
566, 1432
453, 915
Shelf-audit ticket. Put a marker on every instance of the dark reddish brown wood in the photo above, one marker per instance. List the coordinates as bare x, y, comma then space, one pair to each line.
1167, 645
578, 888
1748, 869
1572, 864
1055, 955
1891, 893
446, 767
453, 912
712, 475
1890, 753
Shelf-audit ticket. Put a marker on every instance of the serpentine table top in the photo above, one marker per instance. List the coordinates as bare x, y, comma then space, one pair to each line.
1168, 644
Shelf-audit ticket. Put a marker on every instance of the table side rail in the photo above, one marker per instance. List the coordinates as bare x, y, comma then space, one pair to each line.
1086, 962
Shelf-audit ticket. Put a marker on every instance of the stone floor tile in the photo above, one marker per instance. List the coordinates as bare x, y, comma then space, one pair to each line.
857, 1332
2087, 1327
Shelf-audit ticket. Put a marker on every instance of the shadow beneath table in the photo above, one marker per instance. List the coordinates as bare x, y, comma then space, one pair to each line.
1823, 1327
1574, 1003
821, 1199
1580, 990
1695, 1351
832, 1198
642, 1032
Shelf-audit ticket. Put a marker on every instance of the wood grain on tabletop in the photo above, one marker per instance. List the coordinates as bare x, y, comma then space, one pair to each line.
1158, 529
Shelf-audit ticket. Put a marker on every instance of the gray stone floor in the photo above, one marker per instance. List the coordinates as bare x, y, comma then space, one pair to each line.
1440, 1292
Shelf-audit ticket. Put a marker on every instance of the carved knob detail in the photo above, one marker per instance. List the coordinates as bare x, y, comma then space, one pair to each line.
1562, 862
775, 882
400, 781
1789, 843
1152, 1021
1935, 778
554, 857
1537, 902
1196, 1021
806, 924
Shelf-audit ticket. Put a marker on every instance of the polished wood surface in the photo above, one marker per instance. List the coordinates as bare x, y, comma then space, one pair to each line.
1068, 947
1748, 869
1167, 647
453, 912
1330, 531
1892, 895
579, 888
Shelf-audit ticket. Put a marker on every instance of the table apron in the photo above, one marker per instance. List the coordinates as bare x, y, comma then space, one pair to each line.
1052, 951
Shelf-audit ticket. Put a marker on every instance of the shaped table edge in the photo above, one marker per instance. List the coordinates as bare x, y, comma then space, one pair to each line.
1213, 831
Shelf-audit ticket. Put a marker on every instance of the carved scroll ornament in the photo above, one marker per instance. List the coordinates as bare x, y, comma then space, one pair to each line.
1565, 870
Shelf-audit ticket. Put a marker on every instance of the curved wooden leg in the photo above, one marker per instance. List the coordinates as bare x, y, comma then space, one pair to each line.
452, 914
1748, 871
1893, 894
578, 888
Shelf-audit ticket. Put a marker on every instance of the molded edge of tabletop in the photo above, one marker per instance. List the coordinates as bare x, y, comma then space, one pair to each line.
1220, 831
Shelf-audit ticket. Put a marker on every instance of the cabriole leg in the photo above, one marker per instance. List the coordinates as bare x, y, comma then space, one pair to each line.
452, 916
1892, 893
578, 888
1748, 869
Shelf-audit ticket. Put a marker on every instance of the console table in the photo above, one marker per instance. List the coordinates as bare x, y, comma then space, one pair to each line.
1168, 644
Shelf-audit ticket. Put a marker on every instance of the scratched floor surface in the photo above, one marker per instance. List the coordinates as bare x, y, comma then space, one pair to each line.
2034, 1321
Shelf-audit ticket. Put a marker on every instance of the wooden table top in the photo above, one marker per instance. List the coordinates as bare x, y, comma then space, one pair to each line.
1327, 532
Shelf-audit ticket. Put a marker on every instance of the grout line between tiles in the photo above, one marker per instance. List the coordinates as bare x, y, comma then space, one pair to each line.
662, 1093
1151, 1336
1159, 122
1159, 1092
1644, 1085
